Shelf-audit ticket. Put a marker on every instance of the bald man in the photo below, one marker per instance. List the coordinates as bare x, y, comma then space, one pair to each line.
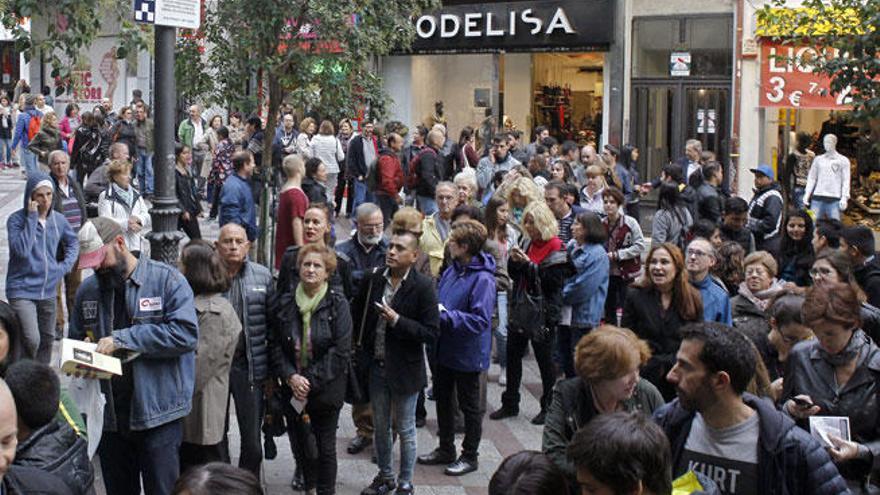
250, 291
20, 479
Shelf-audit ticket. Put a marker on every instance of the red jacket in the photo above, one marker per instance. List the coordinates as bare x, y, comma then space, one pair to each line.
390, 173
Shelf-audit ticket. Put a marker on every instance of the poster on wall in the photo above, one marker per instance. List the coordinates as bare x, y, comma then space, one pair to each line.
787, 84
705, 121
98, 76
680, 64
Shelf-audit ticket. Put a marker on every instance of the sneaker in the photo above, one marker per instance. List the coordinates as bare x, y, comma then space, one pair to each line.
539, 419
404, 488
380, 486
504, 412
502, 378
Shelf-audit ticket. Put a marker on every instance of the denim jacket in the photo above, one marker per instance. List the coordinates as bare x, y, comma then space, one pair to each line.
164, 331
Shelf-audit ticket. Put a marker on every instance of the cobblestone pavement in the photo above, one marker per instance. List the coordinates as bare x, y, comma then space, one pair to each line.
500, 438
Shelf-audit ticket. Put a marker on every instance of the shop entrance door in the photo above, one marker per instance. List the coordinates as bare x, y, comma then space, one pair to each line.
664, 115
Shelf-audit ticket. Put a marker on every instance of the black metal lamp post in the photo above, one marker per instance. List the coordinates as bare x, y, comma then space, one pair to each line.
165, 238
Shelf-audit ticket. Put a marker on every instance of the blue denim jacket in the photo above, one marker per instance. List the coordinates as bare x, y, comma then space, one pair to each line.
587, 289
164, 331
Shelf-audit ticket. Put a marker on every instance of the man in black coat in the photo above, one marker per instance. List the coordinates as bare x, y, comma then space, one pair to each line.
395, 315
741, 441
765, 210
858, 243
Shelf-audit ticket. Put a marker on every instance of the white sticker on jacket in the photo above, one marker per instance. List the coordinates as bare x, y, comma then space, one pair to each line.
150, 304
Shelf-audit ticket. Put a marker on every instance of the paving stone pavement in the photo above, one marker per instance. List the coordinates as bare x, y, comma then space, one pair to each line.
500, 438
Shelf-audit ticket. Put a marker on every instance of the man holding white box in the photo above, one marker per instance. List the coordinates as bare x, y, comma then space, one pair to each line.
147, 307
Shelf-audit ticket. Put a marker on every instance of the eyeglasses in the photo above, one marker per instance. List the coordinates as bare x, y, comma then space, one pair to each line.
820, 272
696, 253
757, 271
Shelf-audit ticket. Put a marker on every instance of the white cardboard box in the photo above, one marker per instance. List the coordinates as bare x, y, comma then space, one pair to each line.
81, 357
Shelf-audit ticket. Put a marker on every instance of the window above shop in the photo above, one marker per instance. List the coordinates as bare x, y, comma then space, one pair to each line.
705, 42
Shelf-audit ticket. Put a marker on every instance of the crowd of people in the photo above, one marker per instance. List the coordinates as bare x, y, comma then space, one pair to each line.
707, 356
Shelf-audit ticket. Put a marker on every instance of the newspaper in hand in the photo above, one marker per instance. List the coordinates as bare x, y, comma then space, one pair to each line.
823, 426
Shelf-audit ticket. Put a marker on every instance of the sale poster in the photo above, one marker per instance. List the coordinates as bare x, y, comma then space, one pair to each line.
98, 76
788, 80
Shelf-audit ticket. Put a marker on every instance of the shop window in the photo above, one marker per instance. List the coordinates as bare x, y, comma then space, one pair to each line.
707, 39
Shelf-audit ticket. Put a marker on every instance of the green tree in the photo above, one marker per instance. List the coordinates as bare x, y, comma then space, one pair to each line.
70, 28
316, 54
846, 37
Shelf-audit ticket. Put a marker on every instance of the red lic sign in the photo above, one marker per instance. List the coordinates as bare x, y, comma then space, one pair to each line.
788, 80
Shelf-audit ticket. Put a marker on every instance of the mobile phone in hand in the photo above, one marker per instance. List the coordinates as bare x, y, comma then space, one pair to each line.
802, 402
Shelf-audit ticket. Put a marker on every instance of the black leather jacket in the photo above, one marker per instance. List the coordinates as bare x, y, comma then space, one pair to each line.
330, 346
808, 373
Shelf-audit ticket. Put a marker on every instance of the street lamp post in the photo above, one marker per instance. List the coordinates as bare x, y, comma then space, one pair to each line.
165, 237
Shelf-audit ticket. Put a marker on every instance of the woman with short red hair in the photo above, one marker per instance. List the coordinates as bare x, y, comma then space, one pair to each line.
607, 361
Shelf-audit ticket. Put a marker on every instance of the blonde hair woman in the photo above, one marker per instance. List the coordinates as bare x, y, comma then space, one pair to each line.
124, 204
538, 267
521, 193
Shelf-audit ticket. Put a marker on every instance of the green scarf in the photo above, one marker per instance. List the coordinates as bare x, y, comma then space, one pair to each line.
307, 306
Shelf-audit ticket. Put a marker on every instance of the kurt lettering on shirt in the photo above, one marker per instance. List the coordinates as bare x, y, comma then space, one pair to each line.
727, 456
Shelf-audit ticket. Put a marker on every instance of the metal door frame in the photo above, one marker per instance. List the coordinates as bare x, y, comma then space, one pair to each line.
679, 89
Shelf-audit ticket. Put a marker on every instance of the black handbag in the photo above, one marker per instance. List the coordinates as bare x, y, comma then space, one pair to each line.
526, 307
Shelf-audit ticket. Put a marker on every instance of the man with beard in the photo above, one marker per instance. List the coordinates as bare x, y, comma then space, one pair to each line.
143, 312
738, 440
363, 252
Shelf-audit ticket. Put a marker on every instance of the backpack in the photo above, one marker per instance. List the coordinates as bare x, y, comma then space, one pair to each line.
34, 126
412, 178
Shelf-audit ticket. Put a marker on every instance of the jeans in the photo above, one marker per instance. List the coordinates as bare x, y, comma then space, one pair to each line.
427, 205
361, 195
402, 408
797, 197
467, 386
144, 171
388, 205
28, 161
5, 150
566, 340
37, 318
248, 400
516, 348
615, 299
501, 329
825, 208
149, 454
318, 473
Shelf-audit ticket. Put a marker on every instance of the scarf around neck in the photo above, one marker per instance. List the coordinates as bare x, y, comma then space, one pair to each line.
126, 195
853, 349
307, 306
538, 249
761, 298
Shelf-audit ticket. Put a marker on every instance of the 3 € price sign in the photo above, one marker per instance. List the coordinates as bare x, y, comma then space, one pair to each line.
788, 80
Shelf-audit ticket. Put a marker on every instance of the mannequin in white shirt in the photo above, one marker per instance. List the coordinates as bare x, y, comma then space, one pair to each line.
830, 195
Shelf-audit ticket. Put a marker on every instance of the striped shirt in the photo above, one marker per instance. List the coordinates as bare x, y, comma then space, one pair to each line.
565, 227
70, 207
